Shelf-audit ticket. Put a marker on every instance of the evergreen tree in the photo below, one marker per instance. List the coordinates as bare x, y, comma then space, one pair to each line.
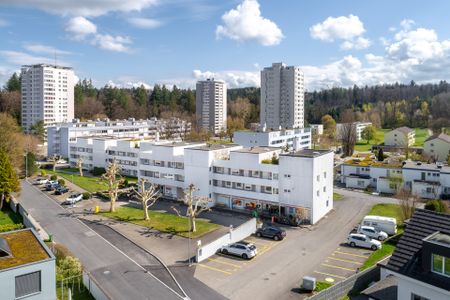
31, 167
9, 182
380, 155
13, 83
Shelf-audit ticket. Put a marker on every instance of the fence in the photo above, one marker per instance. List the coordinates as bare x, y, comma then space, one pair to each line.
353, 284
232, 236
28, 220
94, 288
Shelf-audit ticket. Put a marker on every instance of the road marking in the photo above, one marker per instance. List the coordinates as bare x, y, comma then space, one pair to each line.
224, 262
345, 260
327, 274
337, 267
270, 246
346, 253
214, 269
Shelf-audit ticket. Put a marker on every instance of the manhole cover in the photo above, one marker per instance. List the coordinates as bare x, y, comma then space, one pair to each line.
330, 280
89, 233
106, 272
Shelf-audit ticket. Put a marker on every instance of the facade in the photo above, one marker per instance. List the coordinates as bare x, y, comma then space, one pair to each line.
233, 176
211, 105
400, 137
61, 136
421, 260
429, 181
437, 147
47, 94
27, 267
316, 128
295, 139
282, 97
359, 127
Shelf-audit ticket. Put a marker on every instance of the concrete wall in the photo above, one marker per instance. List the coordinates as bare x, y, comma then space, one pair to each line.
28, 220
354, 182
94, 288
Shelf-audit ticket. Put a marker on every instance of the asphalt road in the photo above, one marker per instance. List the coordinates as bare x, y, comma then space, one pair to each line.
117, 273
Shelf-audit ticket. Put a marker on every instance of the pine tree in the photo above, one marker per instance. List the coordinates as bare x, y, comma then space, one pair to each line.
9, 182
380, 155
13, 83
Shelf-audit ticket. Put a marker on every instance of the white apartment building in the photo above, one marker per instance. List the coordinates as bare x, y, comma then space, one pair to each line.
359, 127
211, 105
437, 147
61, 136
295, 139
429, 181
47, 94
400, 137
316, 128
233, 176
282, 97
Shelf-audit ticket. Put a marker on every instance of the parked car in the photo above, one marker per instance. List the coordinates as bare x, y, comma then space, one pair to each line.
73, 198
241, 249
291, 221
388, 225
51, 185
361, 240
373, 233
272, 232
40, 181
61, 190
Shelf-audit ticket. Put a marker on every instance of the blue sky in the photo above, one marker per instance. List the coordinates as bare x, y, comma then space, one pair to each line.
126, 43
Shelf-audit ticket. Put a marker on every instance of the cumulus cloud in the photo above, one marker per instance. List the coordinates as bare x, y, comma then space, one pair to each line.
21, 58
128, 82
145, 23
85, 8
44, 49
80, 27
349, 29
245, 23
112, 43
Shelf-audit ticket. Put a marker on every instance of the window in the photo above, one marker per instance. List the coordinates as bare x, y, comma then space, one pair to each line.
28, 284
324, 174
318, 177
417, 297
440, 264
318, 192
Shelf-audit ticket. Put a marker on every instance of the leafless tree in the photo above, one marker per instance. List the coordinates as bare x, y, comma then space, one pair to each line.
407, 201
147, 196
347, 136
112, 178
80, 166
54, 160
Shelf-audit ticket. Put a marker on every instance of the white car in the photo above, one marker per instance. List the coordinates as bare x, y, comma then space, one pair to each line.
241, 249
41, 181
361, 240
73, 198
371, 232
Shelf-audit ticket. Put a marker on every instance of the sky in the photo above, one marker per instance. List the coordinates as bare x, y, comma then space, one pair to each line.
177, 42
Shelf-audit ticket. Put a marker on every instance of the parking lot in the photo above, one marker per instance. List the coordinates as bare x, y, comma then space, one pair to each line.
219, 266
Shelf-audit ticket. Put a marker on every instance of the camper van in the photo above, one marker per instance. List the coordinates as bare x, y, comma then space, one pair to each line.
388, 225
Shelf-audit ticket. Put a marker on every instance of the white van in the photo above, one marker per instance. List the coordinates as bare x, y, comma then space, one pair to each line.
388, 225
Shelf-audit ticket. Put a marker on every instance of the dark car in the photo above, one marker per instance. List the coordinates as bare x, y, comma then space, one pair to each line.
61, 190
271, 232
51, 186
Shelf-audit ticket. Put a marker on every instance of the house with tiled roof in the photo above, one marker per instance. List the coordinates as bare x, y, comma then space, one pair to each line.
419, 268
437, 147
400, 137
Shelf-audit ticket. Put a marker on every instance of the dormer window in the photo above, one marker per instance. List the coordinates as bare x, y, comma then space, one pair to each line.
440, 264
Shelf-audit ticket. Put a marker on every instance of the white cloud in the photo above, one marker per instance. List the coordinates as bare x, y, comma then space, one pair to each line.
21, 58
80, 28
112, 43
85, 8
232, 78
128, 82
145, 23
245, 23
348, 29
44, 49
407, 24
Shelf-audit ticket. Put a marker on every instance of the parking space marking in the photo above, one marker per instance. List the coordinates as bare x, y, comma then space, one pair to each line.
351, 254
331, 275
214, 269
224, 262
346, 260
337, 267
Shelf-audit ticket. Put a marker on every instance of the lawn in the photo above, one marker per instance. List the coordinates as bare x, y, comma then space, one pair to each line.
76, 293
322, 285
7, 216
421, 136
90, 184
386, 250
337, 196
386, 210
164, 222
379, 138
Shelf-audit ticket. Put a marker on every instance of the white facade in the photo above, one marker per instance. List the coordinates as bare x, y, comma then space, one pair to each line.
47, 94
316, 128
295, 139
211, 105
61, 136
359, 127
400, 137
282, 97
231, 175
438, 147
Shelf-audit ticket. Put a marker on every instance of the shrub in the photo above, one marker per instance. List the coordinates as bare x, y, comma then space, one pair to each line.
126, 183
10, 227
436, 205
53, 177
98, 171
61, 182
68, 267
86, 195
43, 173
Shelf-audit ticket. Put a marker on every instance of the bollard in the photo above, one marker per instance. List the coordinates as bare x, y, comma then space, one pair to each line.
97, 209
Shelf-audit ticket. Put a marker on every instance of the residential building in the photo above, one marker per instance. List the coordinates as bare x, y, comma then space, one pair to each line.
359, 127
421, 261
27, 267
211, 105
282, 97
437, 147
233, 176
294, 139
400, 137
316, 128
47, 94
61, 136
429, 181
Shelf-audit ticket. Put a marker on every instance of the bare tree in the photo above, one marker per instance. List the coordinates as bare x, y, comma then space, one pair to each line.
195, 206
407, 201
147, 196
347, 136
112, 178
80, 166
54, 160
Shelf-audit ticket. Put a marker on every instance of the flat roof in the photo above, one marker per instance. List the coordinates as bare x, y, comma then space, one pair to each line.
308, 153
421, 166
177, 144
440, 238
257, 150
211, 147
25, 248
47, 65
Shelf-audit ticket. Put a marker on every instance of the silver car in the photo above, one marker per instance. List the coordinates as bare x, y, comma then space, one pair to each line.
373, 233
241, 249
